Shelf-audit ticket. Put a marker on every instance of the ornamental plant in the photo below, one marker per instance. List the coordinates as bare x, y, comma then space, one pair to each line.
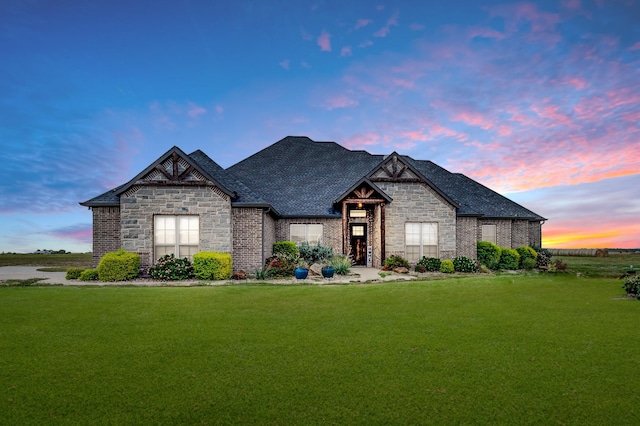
89, 275
447, 266
317, 253
341, 264
527, 254
428, 264
286, 247
395, 261
119, 266
488, 254
544, 257
632, 286
465, 264
509, 259
211, 265
279, 265
73, 273
171, 268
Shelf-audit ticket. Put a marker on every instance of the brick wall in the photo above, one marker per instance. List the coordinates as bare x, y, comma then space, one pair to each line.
139, 205
503, 230
269, 235
331, 231
247, 239
467, 237
535, 234
106, 231
519, 233
416, 202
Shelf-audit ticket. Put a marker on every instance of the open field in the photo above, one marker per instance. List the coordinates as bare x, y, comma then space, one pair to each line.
521, 349
79, 260
612, 266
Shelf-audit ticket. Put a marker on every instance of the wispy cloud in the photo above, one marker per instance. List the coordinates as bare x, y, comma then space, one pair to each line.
346, 51
324, 41
392, 21
361, 23
284, 64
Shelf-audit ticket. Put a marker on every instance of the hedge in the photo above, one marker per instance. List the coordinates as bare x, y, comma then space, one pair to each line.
210, 265
118, 266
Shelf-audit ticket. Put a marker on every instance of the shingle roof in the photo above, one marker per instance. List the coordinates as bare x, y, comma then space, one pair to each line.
298, 177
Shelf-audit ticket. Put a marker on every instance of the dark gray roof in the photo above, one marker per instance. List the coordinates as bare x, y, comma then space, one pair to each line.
298, 177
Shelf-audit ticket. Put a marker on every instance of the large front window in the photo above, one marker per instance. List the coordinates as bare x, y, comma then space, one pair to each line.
421, 239
177, 235
309, 232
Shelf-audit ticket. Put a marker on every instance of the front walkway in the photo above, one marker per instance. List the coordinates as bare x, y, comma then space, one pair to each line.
358, 274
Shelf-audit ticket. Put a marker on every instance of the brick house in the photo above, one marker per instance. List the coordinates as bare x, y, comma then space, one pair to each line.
367, 206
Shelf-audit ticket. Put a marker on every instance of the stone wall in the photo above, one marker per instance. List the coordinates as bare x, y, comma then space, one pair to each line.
416, 202
106, 231
139, 205
247, 239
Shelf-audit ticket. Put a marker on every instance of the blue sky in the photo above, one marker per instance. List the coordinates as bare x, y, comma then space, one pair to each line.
537, 100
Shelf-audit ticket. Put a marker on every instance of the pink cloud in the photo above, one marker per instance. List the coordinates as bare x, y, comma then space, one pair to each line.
366, 43
346, 51
543, 25
485, 32
219, 109
572, 4
635, 46
324, 41
392, 21
340, 101
360, 23
284, 64
195, 111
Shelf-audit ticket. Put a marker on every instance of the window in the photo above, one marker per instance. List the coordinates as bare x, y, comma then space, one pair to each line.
357, 230
309, 232
489, 233
421, 239
177, 235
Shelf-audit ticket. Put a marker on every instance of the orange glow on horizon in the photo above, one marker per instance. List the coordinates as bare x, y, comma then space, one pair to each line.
614, 238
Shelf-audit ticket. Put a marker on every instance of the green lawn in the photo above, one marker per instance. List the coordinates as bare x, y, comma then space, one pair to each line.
522, 349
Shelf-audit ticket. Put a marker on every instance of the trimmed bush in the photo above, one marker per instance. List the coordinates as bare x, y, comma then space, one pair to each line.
428, 264
211, 265
169, 267
341, 264
446, 266
395, 261
73, 273
488, 254
528, 264
509, 259
89, 275
118, 266
632, 285
316, 253
288, 248
525, 253
465, 264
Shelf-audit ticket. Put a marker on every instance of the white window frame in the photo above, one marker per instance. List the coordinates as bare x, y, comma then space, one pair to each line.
176, 234
489, 233
311, 233
421, 239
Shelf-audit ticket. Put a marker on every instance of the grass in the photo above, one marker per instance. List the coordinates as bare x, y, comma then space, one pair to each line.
524, 349
58, 261
612, 266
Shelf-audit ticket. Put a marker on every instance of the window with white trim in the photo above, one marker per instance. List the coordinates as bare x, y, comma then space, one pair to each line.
489, 233
309, 232
177, 235
421, 239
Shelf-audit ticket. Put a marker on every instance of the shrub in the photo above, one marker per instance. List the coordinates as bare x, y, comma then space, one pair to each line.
73, 273
279, 265
544, 257
632, 285
447, 267
465, 264
528, 264
341, 264
488, 254
428, 264
89, 275
509, 259
286, 247
525, 253
316, 253
118, 266
395, 261
210, 265
169, 267
557, 266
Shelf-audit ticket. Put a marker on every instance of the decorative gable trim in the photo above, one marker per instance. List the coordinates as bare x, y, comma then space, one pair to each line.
364, 189
174, 168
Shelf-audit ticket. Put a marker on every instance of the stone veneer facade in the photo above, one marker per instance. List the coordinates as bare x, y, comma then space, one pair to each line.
139, 205
417, 202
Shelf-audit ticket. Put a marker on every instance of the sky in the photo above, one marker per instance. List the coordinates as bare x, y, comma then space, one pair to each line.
538, 100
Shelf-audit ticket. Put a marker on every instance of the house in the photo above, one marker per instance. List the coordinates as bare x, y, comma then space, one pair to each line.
364, 205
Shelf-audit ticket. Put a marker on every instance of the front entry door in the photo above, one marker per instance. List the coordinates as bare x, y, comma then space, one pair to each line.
359, 243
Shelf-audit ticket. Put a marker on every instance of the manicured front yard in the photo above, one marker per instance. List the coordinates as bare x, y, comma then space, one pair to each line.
539, 349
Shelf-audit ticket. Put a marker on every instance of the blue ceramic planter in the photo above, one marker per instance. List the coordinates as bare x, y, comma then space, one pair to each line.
301, 273
328, 271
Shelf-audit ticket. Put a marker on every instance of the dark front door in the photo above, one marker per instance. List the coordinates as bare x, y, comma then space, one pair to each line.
359, 243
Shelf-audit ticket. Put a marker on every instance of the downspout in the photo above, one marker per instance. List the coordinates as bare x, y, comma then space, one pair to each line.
264, 214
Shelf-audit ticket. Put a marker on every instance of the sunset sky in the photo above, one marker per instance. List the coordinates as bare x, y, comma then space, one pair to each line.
539, 100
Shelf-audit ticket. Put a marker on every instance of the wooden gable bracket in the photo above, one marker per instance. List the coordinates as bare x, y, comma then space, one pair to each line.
175, 176
393, 169
363, 192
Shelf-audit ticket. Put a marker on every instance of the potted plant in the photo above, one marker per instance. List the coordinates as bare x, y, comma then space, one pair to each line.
302, 270
327, 268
